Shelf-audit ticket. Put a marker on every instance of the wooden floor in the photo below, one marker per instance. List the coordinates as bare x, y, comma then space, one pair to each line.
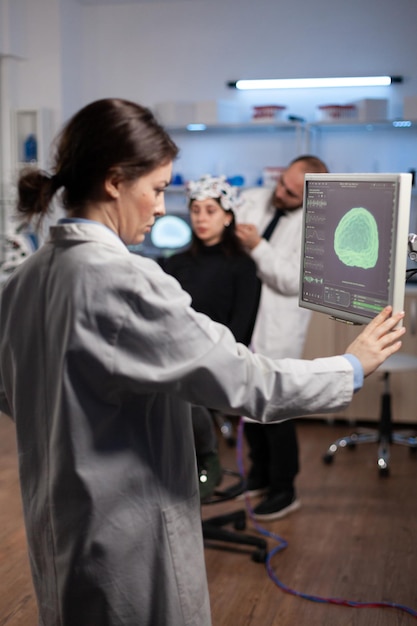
354, 538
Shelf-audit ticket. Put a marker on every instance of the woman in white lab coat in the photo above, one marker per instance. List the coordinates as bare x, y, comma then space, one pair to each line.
100, 356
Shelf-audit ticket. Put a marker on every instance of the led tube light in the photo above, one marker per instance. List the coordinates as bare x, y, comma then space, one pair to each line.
308, 83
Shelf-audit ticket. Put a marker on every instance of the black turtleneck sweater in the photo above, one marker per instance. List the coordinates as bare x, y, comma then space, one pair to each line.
224, 287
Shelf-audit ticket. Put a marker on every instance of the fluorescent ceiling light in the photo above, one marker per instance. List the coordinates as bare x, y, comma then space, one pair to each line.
307, 83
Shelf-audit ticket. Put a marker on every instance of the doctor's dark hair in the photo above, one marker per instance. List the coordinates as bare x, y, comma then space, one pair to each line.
311, 164
106, 135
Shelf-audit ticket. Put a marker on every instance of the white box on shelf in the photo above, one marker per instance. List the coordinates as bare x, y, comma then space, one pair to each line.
410, 108
202, 112
216, 112
173, 113
371, 109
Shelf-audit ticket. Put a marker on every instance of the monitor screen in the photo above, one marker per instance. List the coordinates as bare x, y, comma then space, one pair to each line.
170, 234
354, 244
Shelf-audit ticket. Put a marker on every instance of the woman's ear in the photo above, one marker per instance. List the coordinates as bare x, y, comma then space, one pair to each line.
112, 183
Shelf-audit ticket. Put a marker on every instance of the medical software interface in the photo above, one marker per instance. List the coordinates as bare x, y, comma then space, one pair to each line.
348, 243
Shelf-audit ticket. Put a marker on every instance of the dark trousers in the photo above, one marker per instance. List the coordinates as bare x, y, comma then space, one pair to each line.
273, 450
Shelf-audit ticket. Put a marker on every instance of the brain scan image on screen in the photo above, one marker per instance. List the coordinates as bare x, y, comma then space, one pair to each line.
356, 241
171, 231
170, 234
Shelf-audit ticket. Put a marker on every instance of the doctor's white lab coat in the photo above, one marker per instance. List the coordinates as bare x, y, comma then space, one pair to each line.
281, 324
100, 356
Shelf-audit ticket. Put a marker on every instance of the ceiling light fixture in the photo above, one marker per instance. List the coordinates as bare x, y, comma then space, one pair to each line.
309, 83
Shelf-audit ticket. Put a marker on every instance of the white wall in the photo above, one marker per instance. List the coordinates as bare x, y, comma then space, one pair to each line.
187, 50
38, 72
31, 79
73, 39
152, 51
158, 51
12, 20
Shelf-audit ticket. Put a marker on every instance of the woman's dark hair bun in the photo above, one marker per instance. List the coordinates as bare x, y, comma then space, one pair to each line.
35, 191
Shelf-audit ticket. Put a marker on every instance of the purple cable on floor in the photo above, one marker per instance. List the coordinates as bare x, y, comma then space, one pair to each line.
282, 544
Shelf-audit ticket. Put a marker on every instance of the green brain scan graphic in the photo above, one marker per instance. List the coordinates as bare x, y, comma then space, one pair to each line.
356, 241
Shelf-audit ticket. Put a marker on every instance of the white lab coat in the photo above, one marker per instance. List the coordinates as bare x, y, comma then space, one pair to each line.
100, 356
281, 324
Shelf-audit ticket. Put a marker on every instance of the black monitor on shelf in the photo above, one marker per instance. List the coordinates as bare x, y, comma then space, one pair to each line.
354, 244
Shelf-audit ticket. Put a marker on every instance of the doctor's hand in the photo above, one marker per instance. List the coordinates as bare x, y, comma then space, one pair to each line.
248, 235
378, 340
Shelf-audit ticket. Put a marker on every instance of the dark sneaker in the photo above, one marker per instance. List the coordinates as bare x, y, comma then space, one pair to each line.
209, 474
276, 505
253, 492
256, 483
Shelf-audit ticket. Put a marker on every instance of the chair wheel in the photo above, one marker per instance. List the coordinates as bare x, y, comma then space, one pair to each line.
328, 459
384, 471
351, 445
413, 450
259, 556
231, 442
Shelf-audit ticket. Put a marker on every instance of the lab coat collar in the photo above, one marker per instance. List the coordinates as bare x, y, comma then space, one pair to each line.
86, 231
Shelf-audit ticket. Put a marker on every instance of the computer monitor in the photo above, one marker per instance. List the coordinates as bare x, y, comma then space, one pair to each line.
354, 244
170, 234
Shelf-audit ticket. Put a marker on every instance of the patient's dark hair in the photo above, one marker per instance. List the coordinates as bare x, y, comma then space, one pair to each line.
230, 243
108, 134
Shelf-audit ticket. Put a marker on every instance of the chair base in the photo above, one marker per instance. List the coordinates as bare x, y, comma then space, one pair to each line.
213, 530
406, 438
213, 527
384, 435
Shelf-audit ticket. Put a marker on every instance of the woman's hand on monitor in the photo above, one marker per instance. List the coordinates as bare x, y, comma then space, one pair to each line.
379, 340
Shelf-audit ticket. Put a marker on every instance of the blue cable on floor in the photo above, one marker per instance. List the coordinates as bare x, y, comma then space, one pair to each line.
282, 544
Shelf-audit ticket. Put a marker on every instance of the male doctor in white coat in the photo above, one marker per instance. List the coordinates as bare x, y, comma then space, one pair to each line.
269, 226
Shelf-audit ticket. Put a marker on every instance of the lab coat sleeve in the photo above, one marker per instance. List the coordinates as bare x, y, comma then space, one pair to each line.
164, 346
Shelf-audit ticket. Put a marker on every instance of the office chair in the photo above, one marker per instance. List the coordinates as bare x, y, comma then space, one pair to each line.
384, 435
213, 527
225, 426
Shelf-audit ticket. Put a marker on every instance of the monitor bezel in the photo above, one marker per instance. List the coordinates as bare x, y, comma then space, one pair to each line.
399, 257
